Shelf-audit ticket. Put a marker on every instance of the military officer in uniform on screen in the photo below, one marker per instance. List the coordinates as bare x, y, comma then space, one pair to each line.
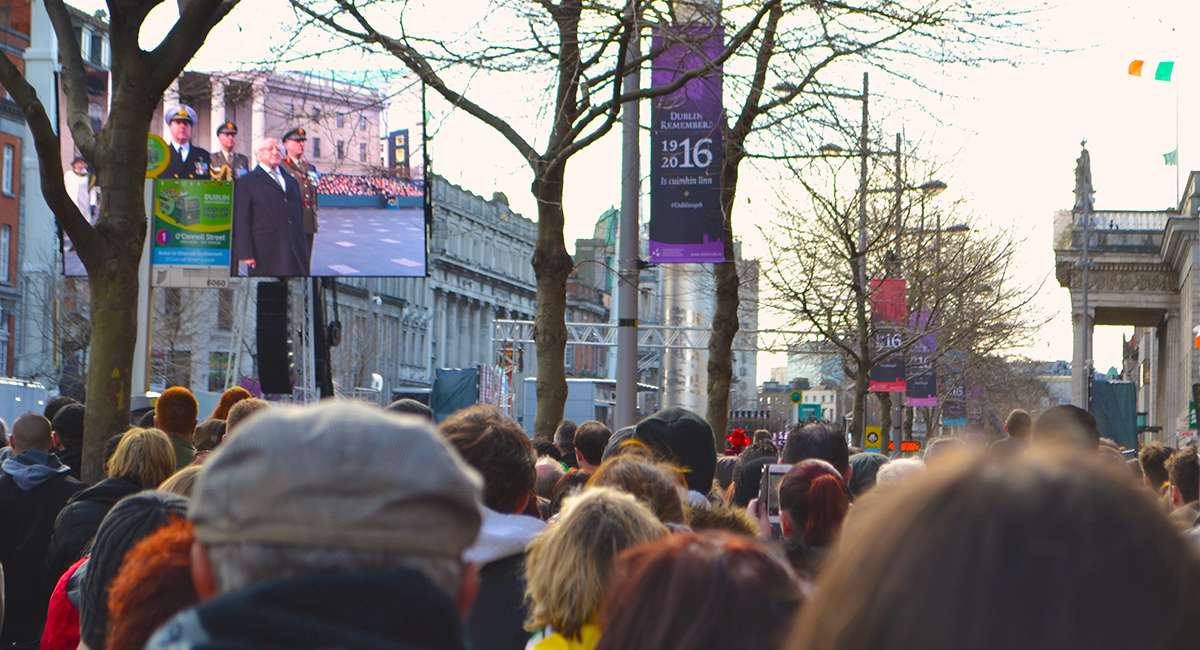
187, 162
227, 164
306, 175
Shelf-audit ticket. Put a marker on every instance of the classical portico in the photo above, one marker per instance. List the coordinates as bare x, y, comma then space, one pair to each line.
1142, 274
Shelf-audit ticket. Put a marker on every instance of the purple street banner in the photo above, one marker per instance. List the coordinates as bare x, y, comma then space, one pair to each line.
921, 384
887, 333
954, 392
687, 149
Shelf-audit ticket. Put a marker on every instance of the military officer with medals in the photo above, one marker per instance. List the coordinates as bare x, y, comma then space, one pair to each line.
187, 161
306, 175
226, 164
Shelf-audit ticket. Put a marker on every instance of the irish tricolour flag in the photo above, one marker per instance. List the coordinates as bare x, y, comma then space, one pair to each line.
1162, 70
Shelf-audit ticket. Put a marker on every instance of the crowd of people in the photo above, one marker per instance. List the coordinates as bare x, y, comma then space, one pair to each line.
342, 525
350, 185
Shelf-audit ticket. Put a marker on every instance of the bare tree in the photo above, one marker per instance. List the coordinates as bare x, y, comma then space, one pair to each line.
957, 278
797, 46
111, 249
577, 49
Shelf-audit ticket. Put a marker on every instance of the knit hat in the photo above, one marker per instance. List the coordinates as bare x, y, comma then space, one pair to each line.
680, 437
339, 475
132, 519
865, 467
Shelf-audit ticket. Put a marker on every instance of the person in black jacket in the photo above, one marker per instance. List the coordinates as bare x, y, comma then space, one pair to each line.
67, 429
34, 486
187, 162
142, 461
268, 225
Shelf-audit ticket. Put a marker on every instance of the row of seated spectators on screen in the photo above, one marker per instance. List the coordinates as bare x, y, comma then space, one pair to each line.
347, 185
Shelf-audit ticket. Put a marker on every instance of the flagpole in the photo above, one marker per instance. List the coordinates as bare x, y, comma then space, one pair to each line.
1177, 197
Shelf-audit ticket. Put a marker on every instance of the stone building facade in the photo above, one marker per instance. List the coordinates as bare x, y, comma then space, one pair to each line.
341, 119
1143, 272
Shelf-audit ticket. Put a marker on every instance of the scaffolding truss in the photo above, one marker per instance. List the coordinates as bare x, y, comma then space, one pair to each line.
510, 336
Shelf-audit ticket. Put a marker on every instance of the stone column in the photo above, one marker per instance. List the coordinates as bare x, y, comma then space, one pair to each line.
477, 334
1170, 387
438, 333
489, 349
455, 335
1079, 378
170, 100
258, 112
217, 110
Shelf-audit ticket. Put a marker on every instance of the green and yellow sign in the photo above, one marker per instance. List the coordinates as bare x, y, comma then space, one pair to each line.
192, 223
158, 155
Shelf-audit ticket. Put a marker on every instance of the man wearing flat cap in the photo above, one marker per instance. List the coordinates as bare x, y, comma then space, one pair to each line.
187, 162
330, 526
306, 175
227, 164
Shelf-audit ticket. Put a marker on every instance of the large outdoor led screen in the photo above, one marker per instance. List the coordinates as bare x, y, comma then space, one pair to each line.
359, 140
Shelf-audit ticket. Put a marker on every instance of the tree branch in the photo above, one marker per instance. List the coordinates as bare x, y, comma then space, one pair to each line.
46, 142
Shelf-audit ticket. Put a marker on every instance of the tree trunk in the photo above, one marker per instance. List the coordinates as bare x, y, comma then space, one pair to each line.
114, 299
862, 388
551, 265
725, 312
720, 343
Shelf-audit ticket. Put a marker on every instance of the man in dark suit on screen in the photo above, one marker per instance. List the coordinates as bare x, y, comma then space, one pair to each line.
187, 162
267, 221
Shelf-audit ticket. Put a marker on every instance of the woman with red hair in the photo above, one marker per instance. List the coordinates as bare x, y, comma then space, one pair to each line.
812, 506
706, 591
228, 399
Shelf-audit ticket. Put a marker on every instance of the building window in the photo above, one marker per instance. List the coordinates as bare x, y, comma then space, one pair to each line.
96, 51
341, 121
362, 124
341, 149
362, 152
85, 39
316, 147
316, 112
218, 365
9, 154
5, 245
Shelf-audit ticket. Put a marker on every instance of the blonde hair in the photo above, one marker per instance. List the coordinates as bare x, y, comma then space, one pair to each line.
144, 456
566, 569
181, 482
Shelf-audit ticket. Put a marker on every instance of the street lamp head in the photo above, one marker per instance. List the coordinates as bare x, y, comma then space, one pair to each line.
829, 149
932, 188
958, 227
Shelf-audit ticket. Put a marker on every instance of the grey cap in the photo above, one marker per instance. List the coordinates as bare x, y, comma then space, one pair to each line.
339, 475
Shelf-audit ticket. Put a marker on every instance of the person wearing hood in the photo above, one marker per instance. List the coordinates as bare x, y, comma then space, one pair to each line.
144, 458
34, 487
498, 448
680, 437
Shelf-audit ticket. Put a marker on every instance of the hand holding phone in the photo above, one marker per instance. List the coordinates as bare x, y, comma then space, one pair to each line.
769, 490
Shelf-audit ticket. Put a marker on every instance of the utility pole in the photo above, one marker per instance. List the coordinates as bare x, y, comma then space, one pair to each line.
628, 250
